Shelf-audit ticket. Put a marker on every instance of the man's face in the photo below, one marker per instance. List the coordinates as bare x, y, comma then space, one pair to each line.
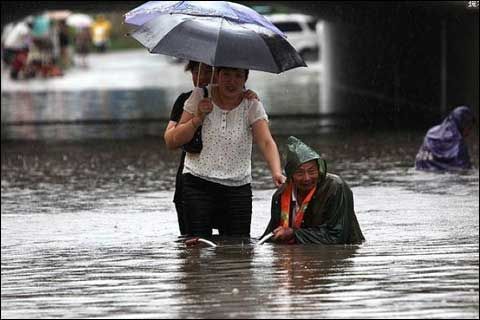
306, 176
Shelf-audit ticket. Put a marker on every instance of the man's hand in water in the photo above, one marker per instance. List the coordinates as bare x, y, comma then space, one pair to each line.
192, 242
282, 234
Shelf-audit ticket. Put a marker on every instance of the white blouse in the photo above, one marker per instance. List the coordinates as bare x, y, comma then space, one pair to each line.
227, 142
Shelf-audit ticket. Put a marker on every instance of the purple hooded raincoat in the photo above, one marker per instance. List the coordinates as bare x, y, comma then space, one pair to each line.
443, 147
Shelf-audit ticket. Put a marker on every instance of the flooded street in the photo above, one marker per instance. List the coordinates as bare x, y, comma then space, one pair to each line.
88, 227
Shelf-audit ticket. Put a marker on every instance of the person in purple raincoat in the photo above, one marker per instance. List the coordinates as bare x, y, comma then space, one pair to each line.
444, 147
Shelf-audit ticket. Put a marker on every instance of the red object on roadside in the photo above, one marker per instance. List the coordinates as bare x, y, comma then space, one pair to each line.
20, 60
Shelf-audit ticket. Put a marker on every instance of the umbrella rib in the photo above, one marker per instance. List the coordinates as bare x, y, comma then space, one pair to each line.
212, 62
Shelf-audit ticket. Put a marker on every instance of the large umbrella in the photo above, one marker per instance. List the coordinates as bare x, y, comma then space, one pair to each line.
59, 14
16, 36
79, 20
218, 41
225, 9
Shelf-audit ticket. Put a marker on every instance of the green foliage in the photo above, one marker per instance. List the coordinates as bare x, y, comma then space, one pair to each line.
123, 43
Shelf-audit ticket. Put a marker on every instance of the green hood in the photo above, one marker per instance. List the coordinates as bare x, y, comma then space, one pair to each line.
298, 153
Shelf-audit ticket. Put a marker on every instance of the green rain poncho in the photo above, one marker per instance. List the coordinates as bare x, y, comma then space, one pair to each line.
330, 216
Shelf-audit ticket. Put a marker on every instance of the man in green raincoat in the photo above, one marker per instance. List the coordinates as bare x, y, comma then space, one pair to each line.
313, 206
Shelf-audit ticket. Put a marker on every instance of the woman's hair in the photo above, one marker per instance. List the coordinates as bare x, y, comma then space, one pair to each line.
194, 64
190, 65
218, 69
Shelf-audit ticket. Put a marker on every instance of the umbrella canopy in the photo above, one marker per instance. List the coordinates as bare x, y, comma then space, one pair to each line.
16, 36
79, 20
229, 10
59, 14
218, 42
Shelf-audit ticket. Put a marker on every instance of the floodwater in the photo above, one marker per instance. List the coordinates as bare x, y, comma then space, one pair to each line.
88, 229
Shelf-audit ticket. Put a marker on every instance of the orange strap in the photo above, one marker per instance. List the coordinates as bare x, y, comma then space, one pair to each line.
285, 202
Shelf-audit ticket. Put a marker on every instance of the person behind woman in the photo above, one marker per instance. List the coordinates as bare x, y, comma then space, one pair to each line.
82, 45
201, 76
444, 147
217, 180
64, 42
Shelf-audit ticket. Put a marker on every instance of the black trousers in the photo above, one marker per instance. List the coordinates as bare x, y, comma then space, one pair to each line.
208, 205
182, 225
178, 197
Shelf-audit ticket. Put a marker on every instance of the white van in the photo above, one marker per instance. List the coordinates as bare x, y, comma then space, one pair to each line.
300, 30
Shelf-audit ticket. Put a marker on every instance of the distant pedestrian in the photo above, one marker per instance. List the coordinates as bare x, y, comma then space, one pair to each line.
83, 42
100, 31
64, 42
444, 147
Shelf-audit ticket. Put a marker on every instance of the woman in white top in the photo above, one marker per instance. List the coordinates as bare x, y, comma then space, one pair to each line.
217, 180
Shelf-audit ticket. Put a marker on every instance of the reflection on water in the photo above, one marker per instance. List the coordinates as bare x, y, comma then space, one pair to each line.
131, 99
85, 106
130, 113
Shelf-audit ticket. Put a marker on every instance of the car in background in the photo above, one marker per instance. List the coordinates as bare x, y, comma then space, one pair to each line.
300, 30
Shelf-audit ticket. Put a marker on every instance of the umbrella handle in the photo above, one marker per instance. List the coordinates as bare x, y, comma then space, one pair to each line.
198, 75
211, 82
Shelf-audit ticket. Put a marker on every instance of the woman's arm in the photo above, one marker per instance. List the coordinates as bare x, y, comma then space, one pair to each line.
175, 116
168, 135
181, 133
195, 110
263, 138
188, 124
